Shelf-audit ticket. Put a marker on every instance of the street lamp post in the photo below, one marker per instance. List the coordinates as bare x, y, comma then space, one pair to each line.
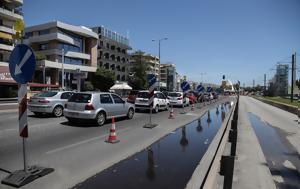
62, 69
159, 77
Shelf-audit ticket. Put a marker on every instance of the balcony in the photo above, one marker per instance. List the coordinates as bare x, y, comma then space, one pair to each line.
6, 45
7, 29
70, 54
11, 14
50, 36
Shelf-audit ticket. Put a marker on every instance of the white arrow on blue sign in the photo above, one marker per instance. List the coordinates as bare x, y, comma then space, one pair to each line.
22, 64
185, 86
200, 88
209, 89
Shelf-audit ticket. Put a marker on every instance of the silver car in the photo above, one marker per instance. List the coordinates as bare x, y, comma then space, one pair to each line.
49, 102
176, 99
98, 106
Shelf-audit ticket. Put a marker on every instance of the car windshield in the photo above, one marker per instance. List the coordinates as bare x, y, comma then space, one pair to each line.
46, 94
174, 94
80, 98
143, 95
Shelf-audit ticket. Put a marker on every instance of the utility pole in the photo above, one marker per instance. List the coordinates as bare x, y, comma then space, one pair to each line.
265, 87
253, 83
293, 75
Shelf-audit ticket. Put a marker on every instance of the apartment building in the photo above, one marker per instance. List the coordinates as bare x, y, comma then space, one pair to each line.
151, 61
10, 13
168, 76
56, 42
112, 52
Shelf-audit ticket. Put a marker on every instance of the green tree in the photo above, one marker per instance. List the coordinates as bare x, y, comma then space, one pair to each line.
138, 78
88, 86
19, 28
103, 79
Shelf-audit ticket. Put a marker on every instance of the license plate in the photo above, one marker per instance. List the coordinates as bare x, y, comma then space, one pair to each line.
74, 113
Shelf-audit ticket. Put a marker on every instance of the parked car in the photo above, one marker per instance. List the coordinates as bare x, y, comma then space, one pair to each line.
160, 101
201, 97
192, 98
176, 99
206, 97
98, 106
215, 95
132, 96
211, 96
49, 102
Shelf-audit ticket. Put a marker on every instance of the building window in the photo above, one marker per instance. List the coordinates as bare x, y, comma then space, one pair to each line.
68, 60
44, 32
44, 46
28, 34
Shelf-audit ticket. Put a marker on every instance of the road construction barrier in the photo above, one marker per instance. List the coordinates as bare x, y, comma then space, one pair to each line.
112, 138
171, 116
193, 107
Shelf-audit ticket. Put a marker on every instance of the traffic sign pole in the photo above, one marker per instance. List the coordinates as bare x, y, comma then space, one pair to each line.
23, 124
152, 85
22, 66
185, 86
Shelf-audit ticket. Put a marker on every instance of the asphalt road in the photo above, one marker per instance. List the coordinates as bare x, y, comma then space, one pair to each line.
279, 134
79, 151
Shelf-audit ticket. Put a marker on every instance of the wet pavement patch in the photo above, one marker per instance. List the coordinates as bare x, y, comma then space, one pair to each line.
167, 163
282, 159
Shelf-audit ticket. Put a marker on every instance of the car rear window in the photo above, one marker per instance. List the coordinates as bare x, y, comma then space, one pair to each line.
46, 94
80, 98
174, 94
143, 95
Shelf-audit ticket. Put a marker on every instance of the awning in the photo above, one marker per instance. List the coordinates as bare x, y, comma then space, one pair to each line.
121, 86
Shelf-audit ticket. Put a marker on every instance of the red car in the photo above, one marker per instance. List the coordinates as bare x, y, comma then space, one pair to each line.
192, 98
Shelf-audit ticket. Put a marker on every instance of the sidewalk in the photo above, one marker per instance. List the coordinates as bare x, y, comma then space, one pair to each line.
250, 169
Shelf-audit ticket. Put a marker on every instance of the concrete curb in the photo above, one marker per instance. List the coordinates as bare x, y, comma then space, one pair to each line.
203, 170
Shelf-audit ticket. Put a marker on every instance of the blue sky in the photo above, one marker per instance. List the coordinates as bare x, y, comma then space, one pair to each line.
241, 39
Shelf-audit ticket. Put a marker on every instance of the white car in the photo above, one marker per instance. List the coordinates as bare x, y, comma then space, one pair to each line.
176, 99
160, 101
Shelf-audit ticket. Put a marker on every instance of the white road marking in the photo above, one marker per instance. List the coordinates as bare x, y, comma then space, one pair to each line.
83, 142
289, 165
278, 178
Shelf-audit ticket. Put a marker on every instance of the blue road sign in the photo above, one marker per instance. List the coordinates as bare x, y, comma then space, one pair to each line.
185, 86
22, 64
209, 89
200, 88
151, 80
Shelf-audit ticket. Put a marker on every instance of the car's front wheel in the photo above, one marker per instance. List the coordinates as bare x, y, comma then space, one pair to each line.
58, 111
130, 113
101, 118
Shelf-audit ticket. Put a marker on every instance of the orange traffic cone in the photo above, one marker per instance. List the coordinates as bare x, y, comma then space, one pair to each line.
112, 136
171, 116
193, 107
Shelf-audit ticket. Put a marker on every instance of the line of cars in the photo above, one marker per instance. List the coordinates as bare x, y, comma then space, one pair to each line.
101, 106
75, 106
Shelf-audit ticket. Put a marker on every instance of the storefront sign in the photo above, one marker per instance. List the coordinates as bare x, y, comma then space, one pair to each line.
5, 76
